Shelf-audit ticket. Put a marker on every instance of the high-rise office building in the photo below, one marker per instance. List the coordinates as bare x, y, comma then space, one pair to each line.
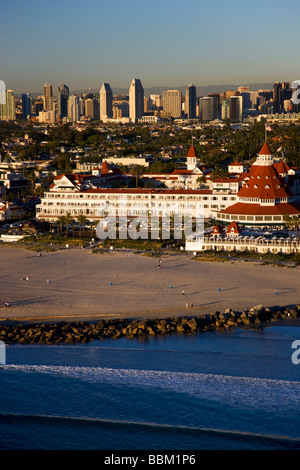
172, 103
217, 97
236, 108
106, 111
208, 107
190, 101
73, 108
48, 96
91, 108
225, 109
26, 105
281, 91
8, 108
62, 101
136, 100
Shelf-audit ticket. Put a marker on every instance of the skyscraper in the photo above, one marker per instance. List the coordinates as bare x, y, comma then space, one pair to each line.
190, 101
172, 103
48, 96
236, 108
62, 101
136, 100
8, 108
225, 109
208, 108
26, 105
106, 111
73, 108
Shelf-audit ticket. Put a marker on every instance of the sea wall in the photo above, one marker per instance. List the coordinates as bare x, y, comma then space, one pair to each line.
84, 332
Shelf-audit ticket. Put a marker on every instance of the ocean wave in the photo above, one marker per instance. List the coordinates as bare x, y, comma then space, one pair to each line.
272, 394
148, 425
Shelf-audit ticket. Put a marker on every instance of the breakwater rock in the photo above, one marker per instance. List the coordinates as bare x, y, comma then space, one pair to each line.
84, 332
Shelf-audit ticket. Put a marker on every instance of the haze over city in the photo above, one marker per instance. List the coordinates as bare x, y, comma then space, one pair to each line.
164, 43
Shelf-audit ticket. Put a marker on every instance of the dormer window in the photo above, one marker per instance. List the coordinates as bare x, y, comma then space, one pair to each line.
267, 186
255, 186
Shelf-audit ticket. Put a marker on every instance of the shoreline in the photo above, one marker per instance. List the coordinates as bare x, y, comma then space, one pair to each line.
85, 332
127, 294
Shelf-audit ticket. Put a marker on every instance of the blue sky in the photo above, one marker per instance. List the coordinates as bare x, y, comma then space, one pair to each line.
162, 42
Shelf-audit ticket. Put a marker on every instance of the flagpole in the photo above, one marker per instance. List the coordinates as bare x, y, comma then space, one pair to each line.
265, 132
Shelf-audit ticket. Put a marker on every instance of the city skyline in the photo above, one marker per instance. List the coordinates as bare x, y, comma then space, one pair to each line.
161, 42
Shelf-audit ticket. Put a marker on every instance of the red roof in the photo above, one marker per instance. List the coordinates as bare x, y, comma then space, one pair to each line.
181, 172
192, 152
233, 228
281, 167
218, 229
241, 208
105, 168
264, 183
265, 150
147, 191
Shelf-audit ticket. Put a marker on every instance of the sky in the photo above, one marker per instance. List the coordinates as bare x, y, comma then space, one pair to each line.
162, 42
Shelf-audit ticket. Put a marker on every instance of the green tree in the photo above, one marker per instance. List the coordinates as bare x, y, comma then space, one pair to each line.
61, 221
81, 220
68, 221
137, 171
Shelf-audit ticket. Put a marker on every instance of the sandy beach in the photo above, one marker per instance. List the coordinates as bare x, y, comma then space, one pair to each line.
76, 284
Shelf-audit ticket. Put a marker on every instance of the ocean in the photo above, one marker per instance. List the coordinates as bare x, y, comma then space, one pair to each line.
237, 390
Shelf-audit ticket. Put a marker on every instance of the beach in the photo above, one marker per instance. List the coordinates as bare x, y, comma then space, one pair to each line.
77, 284
70, 384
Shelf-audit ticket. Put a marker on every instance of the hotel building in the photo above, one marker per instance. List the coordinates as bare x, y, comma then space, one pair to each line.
260, 197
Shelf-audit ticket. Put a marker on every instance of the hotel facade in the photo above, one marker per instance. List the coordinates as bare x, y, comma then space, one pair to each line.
260, 197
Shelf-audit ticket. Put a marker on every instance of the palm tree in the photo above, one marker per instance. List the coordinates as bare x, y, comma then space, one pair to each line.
137, 170
81, 220
295, 222
289, 223
68, 220
61, 220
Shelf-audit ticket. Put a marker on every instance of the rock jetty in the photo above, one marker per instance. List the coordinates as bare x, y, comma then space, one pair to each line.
84, 332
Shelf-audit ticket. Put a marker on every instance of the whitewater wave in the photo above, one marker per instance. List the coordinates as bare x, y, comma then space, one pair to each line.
238, 391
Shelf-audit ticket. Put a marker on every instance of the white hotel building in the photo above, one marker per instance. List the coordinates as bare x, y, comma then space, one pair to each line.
63, 199
260, 197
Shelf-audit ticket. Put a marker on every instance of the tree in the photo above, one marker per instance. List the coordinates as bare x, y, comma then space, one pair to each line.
137, 170
61, 221
81, 220
30, 174
289, 223
68, 220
